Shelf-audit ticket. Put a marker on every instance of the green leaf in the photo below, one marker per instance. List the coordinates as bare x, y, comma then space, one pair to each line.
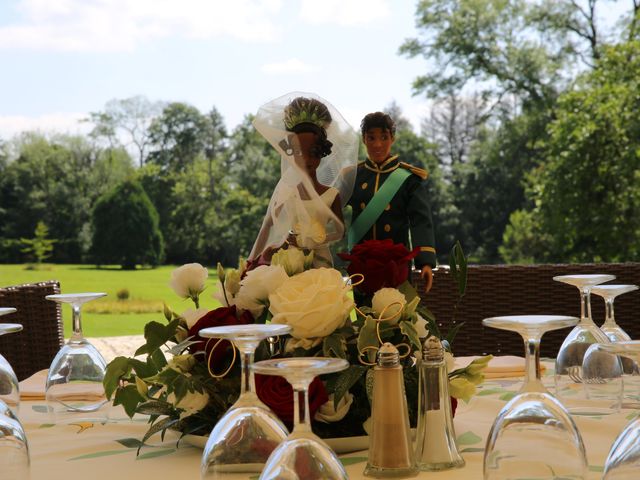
162, 425
155, 407
451, 334
156, 334
334, 346
346, 380
168, 314
458, 266
116, 369
143, 369
158, 359
130, 442
407, 290
409, 330
129, 398
368, 338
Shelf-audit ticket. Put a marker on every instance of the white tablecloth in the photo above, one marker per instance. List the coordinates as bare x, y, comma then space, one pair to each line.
107, 450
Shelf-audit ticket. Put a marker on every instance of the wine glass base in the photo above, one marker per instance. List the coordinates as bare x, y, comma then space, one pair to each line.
303, 458
241, 441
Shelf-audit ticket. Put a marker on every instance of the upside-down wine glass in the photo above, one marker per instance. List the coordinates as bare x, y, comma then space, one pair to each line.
568, 367
623, 461
245, 436
303, 454
9, 387
609, 294
14, 448
605, 376
533, 437
74, 383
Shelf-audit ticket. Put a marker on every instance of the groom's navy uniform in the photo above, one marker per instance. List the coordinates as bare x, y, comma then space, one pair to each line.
407, 212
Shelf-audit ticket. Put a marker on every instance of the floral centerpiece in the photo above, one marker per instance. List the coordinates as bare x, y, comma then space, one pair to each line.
186, 383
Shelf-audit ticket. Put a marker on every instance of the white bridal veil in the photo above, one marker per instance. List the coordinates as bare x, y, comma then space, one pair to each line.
297, 207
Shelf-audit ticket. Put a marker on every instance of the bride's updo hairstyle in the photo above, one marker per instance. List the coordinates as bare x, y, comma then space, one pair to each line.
308, 115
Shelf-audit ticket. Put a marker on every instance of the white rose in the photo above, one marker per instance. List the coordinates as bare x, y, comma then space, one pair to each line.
313, 303
450, 361
256, 286
306, 343
391, 298
462, 388
291, 259
188, 280
421, 326
328, 414
191, 403
181, 363
192, 316
310, 233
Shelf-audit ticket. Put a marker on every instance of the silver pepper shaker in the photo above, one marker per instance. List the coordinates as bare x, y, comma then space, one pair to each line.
436, 447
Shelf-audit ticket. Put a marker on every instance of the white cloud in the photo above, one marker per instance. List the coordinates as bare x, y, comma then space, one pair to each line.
11, 125
291, 66
119, 25
344, 12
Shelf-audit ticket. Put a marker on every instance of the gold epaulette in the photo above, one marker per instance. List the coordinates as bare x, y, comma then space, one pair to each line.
421, 172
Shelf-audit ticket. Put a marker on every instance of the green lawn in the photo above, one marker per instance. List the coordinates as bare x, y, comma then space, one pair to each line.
149, 287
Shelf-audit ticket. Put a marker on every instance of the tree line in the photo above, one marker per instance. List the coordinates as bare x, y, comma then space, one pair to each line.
532, 144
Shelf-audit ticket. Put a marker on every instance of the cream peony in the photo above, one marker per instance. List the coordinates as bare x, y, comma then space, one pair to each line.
181, 363
328, 414
388, 297
191, 316
313, 303
421, 326
191, 403
188, 280
291, 259
462, 388
256, 286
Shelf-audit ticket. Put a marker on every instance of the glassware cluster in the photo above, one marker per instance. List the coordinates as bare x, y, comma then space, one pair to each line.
14, 448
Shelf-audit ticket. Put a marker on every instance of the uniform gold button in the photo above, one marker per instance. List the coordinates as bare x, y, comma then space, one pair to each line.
387, 228
365, 185
388, 207
362, 205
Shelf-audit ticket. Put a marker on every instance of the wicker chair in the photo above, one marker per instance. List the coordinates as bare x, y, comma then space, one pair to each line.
34, 347
494, 290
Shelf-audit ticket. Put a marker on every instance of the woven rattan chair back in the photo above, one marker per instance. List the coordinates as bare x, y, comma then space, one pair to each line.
494, 290
34, 347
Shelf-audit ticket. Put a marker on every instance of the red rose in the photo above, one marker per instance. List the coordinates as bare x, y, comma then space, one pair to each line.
216, 318
454, 406
382, 262
277, 394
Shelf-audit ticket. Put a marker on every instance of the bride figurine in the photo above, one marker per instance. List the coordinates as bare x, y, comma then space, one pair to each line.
319, 152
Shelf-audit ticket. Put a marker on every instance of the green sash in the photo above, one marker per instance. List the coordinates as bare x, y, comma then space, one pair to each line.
377, 204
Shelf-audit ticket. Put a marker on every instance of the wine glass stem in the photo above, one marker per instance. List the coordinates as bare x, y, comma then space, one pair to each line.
609, 318
585, 304
248, 382
77, 324
301, 421
532, 379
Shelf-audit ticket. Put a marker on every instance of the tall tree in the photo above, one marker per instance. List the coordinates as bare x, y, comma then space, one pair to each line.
178, 136
125, 228
126, 123
56, 181
586, 197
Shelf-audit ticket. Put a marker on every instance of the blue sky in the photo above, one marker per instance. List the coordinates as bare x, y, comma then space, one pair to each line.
64, 58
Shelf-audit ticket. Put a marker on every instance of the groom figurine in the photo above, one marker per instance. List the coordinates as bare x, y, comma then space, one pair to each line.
390, 198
